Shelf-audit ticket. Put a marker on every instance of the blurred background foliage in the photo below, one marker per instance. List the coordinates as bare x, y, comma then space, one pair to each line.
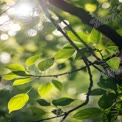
24, 32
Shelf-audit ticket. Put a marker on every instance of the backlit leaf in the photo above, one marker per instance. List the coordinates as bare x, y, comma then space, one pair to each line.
44, 89
88, 113
30, 61
57, 84
95, 36
114, 62
45, 64
21, 81
9, 76
62, 101
17, 102
16, 67
64, 53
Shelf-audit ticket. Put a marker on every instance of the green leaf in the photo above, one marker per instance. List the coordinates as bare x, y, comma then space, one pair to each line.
95, 36
57, 84
31, 60
44, 89
119, 31
114, 62
43, 102
64, 53
37, 111
16, 67
9, 76
108, 83
88, 113
97, 91
82, 35
17, 102
62, 101
21, 81
20, 73
107, 100
57, 111
45, 64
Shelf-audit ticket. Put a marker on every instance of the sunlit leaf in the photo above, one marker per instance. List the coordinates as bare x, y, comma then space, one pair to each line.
114, 62
31, 60
90, 7
45, 64
21, 81
44, 89
16, 67
17, 102
64, 53
9, 76
62, 101
120, 31
43, 102
95, 36
107, 100
88, 113
57, 84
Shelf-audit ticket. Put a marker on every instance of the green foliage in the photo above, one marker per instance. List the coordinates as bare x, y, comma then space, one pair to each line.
45, 64
65, 53
62, 101
31, 60
114, 63
16, 67
43, 102
88, 113
44, 89
17, 102
57, 84
21, 81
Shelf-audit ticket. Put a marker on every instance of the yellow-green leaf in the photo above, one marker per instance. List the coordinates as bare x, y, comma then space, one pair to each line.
31, 60
114, 62
21, 81
16, 67
57, 84
17, 102
9, 76
64, 53
44, 89
95, 36
45, 64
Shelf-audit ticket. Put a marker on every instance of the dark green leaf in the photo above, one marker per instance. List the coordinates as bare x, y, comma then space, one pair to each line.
107, 100
98, 91
57, 84
88, 113
45, 64
37, 111
20, 73
0, 78
43, 102
62, 101
107, 83
57, 111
